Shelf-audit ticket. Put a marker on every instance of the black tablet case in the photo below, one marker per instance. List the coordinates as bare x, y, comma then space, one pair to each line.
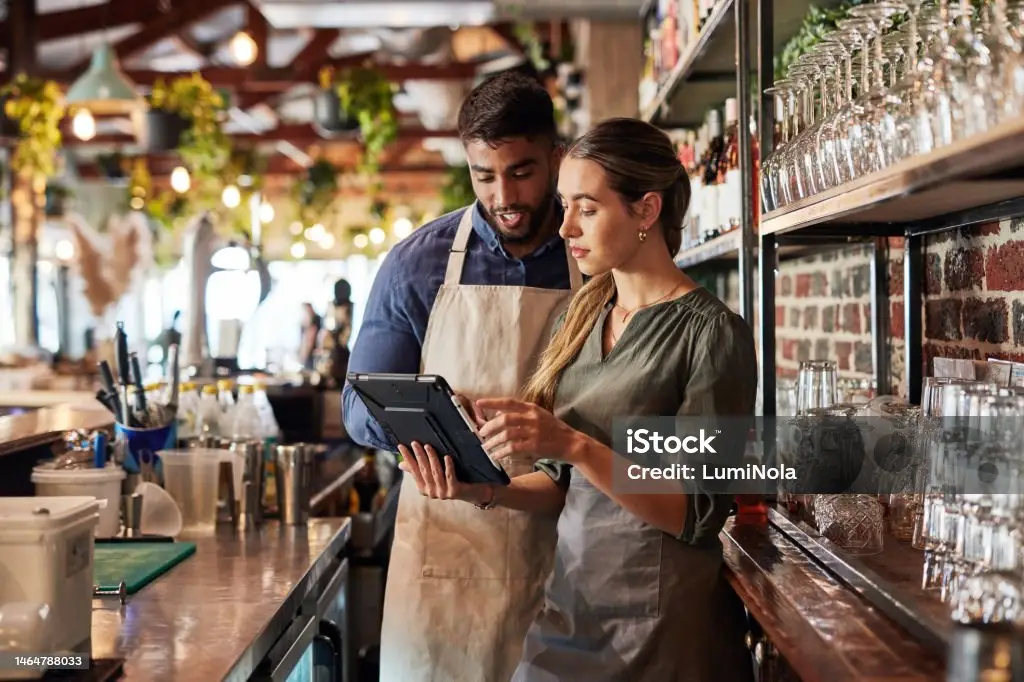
419, 408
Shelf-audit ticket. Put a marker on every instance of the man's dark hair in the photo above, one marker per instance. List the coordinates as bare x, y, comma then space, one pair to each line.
510, 104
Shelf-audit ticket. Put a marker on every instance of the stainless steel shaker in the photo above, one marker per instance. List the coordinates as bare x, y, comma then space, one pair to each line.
294, 478
250, 497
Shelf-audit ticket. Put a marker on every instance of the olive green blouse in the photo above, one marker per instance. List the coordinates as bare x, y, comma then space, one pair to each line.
691, 356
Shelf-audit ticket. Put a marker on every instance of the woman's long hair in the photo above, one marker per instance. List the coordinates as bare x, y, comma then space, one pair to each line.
637, 158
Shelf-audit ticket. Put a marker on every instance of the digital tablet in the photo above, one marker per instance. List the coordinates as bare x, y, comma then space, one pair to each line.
424, 409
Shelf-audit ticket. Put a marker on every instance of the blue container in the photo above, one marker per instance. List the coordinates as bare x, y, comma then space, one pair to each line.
141, 445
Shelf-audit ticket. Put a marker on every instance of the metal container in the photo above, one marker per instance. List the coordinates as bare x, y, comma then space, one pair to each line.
250, 495
294, 478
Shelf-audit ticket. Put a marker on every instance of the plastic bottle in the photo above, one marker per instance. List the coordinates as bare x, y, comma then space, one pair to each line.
225, 397
188, 407
209, 414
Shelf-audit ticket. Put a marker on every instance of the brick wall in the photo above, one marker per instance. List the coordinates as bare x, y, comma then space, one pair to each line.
974, 302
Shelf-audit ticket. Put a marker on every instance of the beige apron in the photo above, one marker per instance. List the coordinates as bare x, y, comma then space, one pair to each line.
465, 584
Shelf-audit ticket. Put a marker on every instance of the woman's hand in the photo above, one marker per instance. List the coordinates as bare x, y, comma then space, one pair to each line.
424, 465
521, 428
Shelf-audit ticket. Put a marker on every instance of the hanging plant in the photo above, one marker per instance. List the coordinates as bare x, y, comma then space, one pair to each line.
204, 147
457, 190
315, 192
367, 95
37, 106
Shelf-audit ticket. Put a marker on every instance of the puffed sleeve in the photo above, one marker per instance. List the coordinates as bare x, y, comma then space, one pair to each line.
720, 387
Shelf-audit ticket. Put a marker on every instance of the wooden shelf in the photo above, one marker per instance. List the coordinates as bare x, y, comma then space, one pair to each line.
723, 247
708, 67
977, 172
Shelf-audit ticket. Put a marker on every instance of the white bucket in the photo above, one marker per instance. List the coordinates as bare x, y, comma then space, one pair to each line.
103, 484
47, 558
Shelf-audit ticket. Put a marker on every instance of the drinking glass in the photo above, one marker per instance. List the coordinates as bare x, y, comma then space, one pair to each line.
816, 385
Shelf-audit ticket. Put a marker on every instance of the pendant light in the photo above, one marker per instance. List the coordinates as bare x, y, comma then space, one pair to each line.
104, 88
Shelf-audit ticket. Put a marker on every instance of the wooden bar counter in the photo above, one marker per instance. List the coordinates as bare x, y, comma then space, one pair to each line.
815, 628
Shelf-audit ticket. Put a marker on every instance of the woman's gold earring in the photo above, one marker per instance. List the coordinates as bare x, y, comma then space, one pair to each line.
643, 236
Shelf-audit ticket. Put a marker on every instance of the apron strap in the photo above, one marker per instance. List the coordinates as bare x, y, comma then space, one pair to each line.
457, 255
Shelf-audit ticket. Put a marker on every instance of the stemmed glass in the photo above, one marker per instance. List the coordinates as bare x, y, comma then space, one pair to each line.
857, 29
871, 129
812, 67
773, 176
802, 74
1007, 61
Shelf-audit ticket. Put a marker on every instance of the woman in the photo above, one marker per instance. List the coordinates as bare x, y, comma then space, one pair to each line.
636, 592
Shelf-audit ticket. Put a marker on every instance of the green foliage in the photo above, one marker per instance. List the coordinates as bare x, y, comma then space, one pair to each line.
316, 192
457, 190
37, 106
368, 96
816, 25
204, 148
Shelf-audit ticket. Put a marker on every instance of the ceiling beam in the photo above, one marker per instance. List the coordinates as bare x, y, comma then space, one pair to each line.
162, 165
278, 80
165, 25
23, 55
112, 14
300, 135
258, 29
506, 32
314, 54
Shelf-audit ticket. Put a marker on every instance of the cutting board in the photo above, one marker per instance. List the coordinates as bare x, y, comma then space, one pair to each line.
137, 564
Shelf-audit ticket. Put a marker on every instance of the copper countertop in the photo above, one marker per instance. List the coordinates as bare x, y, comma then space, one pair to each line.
826, 632
215, 616
48, 424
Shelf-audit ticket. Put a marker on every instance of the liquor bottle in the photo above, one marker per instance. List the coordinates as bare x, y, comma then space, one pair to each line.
697, 186
669, 35
710, 219
730, 186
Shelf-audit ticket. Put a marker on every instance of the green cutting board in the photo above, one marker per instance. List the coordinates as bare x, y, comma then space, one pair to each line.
137, 564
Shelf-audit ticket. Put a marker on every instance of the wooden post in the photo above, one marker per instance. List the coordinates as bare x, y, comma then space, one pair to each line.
611, 55
27, 201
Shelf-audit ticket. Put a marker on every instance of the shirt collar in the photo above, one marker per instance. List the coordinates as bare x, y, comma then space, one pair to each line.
490, 237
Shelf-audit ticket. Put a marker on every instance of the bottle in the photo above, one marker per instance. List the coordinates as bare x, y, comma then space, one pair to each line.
730, 194
188, 406
710, 220
367, 491
208, 414
244, 419
697, 186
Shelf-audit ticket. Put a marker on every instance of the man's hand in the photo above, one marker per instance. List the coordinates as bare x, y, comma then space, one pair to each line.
424, 465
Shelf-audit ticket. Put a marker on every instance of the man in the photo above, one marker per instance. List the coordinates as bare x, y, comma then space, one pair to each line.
471, 297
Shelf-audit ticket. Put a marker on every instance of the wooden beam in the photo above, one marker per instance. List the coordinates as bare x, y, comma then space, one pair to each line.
24, 32
165, 25
162, 165
301, 135
505, 32
111, 14
314, 54
278, 80
258, 30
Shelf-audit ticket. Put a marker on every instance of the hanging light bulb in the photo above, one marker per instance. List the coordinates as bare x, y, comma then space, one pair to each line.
298, 250
315, 233
266, 213
84, 125
243, 48
377, 235
180, 180
231, 196
360, 241
327, 242
64, 250
402, 227
295, 228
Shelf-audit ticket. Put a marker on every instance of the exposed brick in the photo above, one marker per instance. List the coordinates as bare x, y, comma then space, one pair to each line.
862, 357
780, 316
1004, 267
803, 285
986, 320
840, 283
866, 307
1009, 357
860, 279
786, 286
942, 319
895, 279
828, 319
811, 317
789, 349
940, 238
964, 269
1018, 323
895, 242
851, 318
803, 350
819, 284
896, 319
933, 274
987, 229
1017, 224
821, 348
794, 318
843, 350
830, 256
934, 350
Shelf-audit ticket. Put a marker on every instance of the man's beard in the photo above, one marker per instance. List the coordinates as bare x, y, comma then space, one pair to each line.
538, 217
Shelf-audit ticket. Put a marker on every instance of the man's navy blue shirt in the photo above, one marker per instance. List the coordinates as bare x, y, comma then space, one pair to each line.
403, 292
